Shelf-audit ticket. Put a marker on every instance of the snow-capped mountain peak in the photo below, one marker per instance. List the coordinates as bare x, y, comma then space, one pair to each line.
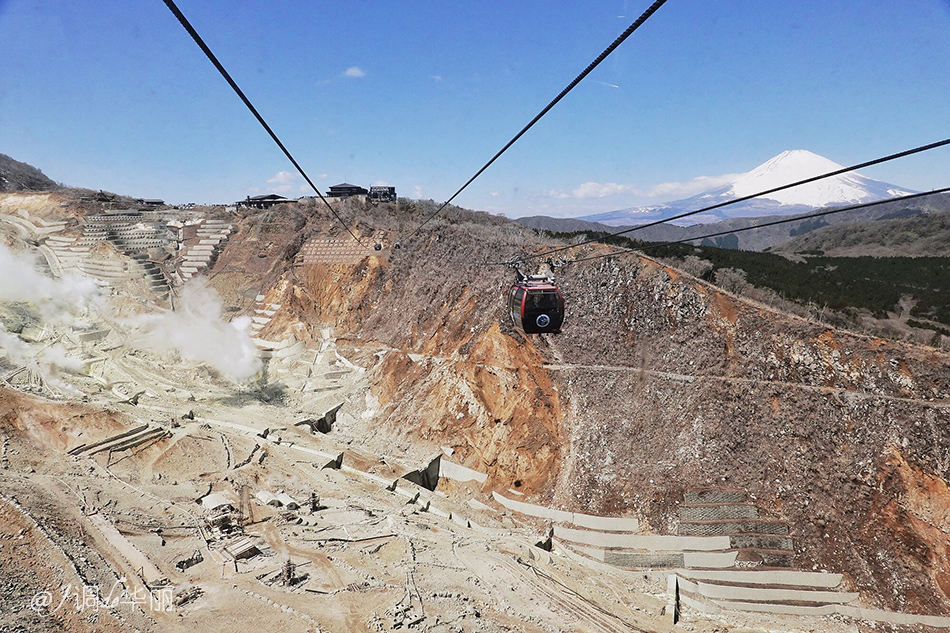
794, 165
788, 167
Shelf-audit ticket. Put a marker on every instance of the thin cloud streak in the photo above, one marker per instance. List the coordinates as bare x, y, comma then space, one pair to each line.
665, 190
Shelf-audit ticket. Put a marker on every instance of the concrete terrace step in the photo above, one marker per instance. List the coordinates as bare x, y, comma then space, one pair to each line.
105, 265
26, 227
764, 595
654, 560
651, 542
107, 273
611, 524
770, 577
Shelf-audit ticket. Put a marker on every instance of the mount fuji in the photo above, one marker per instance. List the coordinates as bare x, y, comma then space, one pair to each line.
789, 166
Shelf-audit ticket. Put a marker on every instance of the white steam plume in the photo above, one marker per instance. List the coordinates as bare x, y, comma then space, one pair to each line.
198, 332
21, 281
64, 300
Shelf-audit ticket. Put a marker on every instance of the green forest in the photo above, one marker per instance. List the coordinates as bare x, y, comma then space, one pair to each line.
840, 283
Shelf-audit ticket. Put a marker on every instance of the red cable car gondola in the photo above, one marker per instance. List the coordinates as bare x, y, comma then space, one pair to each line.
536, 305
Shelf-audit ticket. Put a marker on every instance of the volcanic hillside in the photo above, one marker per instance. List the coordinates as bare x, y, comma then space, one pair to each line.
17, 176
659, 385
371, 419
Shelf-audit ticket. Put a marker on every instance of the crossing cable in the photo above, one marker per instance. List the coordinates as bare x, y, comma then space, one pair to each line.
617, 42
227, 77
798, 218
837, 172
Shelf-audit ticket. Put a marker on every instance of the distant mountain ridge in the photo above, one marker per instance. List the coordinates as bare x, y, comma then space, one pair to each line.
913, 233
771, 237
787, 167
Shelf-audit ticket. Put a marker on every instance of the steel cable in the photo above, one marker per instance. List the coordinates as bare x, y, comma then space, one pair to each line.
227, 77
617, 42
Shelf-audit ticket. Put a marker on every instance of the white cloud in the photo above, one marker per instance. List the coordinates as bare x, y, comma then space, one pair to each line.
354, 71
666, 190
321, 176
675, 190
380, 183
600, 190
495, 194
702, 218
283, 181
589, 190
435, 77
417, 190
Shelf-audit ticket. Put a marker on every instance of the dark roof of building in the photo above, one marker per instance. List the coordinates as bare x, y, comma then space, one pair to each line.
345, 185
267, 196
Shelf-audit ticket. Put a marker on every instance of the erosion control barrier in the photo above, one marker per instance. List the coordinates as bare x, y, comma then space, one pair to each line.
457, 472
652, 542
608, 524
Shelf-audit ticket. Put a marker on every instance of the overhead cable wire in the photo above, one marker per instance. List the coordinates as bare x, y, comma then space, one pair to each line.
799, 218
837, 172
227, 77
617, 42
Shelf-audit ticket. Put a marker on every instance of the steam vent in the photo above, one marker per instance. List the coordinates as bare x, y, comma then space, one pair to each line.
231, 418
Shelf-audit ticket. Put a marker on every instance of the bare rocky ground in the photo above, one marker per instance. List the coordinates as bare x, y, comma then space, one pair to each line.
367, 559
658, 385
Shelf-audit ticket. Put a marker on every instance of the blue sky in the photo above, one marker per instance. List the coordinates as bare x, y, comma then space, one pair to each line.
115, 95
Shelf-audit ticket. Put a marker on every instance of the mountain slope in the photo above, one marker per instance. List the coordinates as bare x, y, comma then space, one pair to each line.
918, 234
17, 176
658, 384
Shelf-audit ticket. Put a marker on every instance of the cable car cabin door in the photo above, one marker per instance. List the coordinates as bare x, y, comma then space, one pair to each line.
515, 301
